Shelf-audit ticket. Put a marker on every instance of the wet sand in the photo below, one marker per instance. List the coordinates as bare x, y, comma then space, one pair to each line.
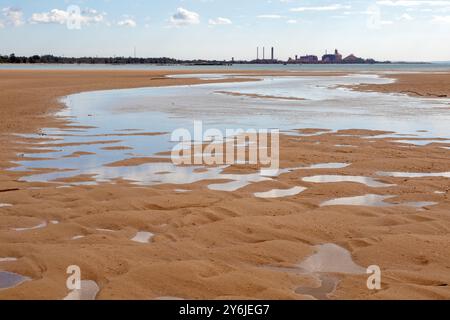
432, 85
209, 244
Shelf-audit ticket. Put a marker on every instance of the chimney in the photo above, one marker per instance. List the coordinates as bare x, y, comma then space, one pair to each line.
272, 55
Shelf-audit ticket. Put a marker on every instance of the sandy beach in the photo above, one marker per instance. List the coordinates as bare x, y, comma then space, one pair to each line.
206, 244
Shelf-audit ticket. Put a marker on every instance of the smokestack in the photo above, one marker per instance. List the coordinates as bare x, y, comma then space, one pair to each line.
272, 55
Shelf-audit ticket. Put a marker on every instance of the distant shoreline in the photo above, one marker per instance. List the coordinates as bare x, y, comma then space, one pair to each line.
213, 63
166, 61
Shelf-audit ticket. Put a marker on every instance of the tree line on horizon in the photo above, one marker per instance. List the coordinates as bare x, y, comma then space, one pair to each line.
50, 59
83, 60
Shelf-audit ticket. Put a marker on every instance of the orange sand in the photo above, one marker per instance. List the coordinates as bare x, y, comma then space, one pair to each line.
213, 245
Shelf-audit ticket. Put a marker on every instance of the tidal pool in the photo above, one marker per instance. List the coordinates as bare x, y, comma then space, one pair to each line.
369, 200
328, 285
89, 290
39, 226
329, 259
8, 259
110, 126
373, 200
143, 237
370, 182
280, 193
10, 280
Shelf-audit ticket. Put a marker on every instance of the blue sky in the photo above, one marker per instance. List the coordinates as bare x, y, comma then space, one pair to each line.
221, 29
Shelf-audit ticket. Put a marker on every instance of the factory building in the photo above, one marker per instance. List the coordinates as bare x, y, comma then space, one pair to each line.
332, 58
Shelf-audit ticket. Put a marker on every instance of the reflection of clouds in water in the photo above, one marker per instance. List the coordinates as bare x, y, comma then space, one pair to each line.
11, 280
165, 109
330, 258
369, 200
280, 193
39, 226
370, 182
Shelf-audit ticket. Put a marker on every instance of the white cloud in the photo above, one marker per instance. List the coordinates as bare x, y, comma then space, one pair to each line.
184, 17
291, 21
405, 17
414, 3
441, 19
127, 23
269, 16
220, 21
54, 16
331, 7
12, 16
58, 16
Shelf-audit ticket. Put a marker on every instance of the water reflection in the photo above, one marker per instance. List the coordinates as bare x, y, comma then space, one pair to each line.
143, 237
370, 182
280, 193
89, 290
116, 125
369, 200
10, 280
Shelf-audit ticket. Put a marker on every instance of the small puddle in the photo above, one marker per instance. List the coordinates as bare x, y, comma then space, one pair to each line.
240, 181
344, 146
280, 193
374, 200
77, 237
143, 237
5, 205
370, 182
419, 205
337, 165
8, 259
89, 290
10, 280
422, 142
327, 287
331, 258
413, 174
369, 200
325, 265
39, 226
